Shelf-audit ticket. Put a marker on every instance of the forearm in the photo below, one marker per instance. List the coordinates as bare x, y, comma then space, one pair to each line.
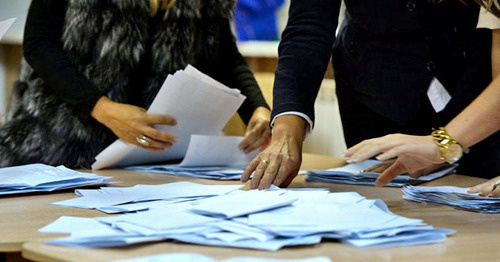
480, 119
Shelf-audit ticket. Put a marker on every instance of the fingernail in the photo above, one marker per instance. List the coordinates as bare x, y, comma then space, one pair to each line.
253, 185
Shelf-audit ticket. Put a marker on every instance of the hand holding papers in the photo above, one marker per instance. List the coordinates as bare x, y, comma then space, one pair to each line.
44, 178
200, 105
4, 26
352, 174
455, 197
266, 220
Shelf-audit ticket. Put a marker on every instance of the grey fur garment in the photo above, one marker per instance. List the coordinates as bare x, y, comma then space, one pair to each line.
106, 42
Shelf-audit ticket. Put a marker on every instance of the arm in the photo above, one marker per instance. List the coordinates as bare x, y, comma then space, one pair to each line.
476, 122
304, 54
255, 111
43, 50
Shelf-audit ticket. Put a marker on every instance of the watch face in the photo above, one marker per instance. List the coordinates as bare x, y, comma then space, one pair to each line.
453, 153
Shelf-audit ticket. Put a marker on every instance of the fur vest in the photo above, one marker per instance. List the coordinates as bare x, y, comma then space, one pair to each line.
106, 41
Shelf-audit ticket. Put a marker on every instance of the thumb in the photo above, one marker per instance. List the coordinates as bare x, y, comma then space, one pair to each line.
390, 173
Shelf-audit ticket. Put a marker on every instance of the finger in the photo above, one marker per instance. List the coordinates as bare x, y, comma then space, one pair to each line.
257, 176
352, 150
487, 189
417, 174
160, 120
495, 193
388, 175
271, 172
288, 170
249, 169
158, 144
250, 138
378, 168
391, 153
149, 147
262, 140
158, 135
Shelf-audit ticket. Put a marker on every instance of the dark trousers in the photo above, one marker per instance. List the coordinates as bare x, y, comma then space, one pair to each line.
361, 122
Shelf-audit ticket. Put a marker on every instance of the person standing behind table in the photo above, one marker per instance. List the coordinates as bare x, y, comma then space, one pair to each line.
93, 66
384, 58
478, 121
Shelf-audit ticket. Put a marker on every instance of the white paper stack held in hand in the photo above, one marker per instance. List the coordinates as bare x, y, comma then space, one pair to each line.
352, 174
192, 257
200, 105
210, 157
455, 197
44, 178
266, 220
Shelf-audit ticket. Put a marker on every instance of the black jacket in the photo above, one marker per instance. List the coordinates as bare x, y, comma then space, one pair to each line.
385, 55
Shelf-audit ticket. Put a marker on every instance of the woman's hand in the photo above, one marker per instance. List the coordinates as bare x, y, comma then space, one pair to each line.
258, 131
129, 122
280, 162
380, 168
490, 188
414, 153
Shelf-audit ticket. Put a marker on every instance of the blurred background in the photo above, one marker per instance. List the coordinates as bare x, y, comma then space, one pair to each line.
258, 25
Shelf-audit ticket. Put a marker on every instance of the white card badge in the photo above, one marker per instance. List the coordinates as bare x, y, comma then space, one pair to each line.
438, 95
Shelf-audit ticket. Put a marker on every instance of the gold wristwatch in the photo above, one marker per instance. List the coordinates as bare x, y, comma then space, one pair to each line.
451, 150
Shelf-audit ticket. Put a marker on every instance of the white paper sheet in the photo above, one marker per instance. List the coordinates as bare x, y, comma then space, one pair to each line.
5, 25
199, 108
192, 257
216, 151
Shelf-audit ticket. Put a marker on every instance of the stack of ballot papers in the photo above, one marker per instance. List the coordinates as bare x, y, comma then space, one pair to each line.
200, 105
210, 157
354, 174
455, 197
191, 257
224, 216
44, 178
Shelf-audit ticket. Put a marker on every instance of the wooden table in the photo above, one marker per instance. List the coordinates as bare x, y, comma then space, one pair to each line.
476, 238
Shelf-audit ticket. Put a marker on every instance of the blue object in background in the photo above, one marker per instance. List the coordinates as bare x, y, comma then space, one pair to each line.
256, 19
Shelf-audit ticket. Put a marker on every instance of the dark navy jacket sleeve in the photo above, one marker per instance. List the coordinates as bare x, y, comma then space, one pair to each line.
42, 49
304, 53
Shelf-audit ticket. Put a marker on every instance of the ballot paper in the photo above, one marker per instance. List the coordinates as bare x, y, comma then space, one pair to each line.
192, 257
140, 195
353, 174
200, 105
44, 178
210, 157
454, 197
5, 25
264, 220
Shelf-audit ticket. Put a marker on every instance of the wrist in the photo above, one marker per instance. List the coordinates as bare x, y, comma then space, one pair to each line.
101, 108
290, 125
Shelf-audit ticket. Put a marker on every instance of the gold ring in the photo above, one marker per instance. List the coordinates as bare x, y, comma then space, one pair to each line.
143, 140
265, 161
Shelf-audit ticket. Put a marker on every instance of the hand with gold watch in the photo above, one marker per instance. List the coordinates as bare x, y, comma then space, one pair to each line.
451, 150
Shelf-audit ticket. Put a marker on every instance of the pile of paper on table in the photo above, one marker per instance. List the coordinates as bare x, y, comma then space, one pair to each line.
455, 197
191, 257
354, 174
210, 157
224, 216
200, 105
44, 178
